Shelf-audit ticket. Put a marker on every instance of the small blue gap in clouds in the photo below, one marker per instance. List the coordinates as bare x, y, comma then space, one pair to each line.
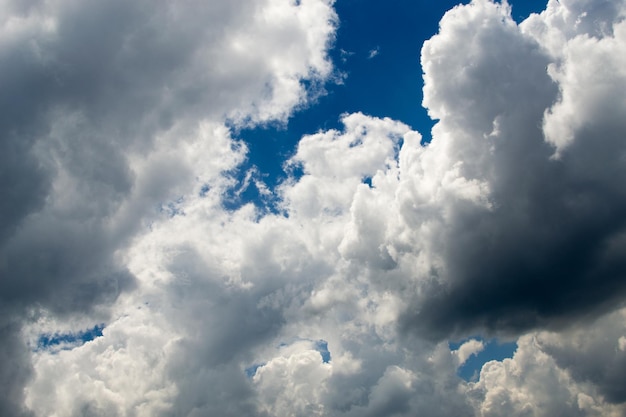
251, 370
322, 347
245, 190
520, 10
204, 190
71, 340
494, 350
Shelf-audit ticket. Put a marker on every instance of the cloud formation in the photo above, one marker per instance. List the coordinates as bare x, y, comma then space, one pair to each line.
542, 240
112, 112
118, 149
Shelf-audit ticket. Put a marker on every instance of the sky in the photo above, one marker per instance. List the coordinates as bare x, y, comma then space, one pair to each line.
312, 208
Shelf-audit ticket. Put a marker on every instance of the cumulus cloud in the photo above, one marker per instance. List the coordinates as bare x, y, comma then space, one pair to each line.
294, 382
509, 222
533, 383
106, 96
112, 113
539, 243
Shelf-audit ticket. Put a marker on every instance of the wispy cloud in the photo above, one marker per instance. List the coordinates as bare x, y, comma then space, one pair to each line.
373, 53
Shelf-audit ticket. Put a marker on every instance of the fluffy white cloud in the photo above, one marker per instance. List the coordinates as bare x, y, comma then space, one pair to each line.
468, 349
120, 373
510, 221
107, 96
523, 220
586, 44
294, 383
533, 384
113, 112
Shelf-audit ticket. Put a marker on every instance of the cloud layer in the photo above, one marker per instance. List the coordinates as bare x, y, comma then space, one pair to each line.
118, 147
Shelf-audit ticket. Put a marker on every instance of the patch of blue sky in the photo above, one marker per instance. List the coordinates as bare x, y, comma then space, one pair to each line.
494, 350
376, 54
322, 347
249, 187
251, 370
522, 9
204, 190
67, 341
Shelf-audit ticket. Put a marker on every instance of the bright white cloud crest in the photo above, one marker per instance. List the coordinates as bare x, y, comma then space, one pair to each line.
509, 222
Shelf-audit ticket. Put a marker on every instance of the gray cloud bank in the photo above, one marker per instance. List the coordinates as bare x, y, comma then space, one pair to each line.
116, 154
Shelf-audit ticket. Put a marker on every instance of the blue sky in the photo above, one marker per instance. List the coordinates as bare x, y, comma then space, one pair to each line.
494, 350
69, 340
388, 84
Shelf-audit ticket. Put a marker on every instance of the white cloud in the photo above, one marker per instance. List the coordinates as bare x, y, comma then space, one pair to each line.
517, 215
373, 53
115, 111
294, 382
587, 47
481, 231
533, 384
468, 349
121, 371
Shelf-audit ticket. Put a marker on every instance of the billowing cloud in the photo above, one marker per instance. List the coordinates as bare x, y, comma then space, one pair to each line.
468, 349
117, 156
592, 354
575, 373
103, 95
542, 242
111, 113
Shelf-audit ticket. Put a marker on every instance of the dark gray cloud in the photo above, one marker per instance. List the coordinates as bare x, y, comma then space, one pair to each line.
548, 249
595, 353
16, 370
